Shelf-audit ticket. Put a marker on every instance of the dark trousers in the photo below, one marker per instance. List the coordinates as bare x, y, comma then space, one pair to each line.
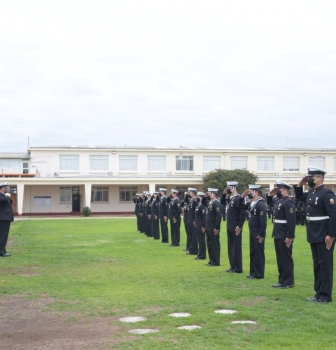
164, 230
175, 231
148, 226
323, 270
213, 247
155, 227
285, 262
4, 231
201, 243
235, 250
257, 257
186, 227
138, 221
193, 250
143, 223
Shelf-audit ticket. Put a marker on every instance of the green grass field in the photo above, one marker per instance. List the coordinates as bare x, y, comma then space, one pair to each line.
104, 267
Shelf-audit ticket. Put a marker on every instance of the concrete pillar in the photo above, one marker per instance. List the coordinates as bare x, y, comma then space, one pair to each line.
20, 195
87, 202
151, 187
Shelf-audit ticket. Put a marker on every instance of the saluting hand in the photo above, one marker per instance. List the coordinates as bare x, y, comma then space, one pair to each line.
245, 193
303, 181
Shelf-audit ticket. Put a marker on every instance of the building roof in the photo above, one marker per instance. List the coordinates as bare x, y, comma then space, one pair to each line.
146, 148
4, 155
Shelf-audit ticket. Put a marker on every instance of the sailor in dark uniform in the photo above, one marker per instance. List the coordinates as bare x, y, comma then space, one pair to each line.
142, 213
6, 217
283, 232
193, 248
200, 217
155, 215
174, 215
185, 205
163, 215
148, 216
136, 210
213, 221
257, 221
321, 230
235, 221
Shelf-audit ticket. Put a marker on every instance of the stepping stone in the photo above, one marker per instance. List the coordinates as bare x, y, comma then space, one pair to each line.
226, 312
180, 314
189, 328
244, 322
143, 331
132, 319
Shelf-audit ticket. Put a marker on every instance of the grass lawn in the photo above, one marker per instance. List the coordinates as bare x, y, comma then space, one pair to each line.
104, 267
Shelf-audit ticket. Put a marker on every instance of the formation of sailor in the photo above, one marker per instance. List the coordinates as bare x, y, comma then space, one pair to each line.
203, 213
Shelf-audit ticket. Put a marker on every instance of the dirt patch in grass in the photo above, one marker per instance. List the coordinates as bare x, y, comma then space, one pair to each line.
254, 301
25, 324
27, 271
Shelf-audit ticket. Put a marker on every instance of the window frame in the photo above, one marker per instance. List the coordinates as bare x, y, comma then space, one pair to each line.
129, 193
291, 159
234, 159
189, 163
125, 157
73, 160
95, 190
151, 162
207, 159
263, 158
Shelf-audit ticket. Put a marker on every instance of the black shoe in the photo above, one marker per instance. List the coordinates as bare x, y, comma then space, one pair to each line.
198, 258
250, 276
229, 270
6, 255
284, 286
321, 301
312, 299
186, 250
209, 264
276, 285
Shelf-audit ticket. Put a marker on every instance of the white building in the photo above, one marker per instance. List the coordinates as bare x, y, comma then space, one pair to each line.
61, 180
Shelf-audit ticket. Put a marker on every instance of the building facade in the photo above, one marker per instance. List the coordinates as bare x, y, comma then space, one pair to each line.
61, 180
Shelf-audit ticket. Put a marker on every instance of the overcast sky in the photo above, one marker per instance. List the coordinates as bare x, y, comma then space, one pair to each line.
167, 73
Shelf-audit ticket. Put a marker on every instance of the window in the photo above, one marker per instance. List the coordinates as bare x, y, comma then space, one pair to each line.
319, 162
291, 163
238, 163
10, 163
65, 194
126, 193
69, 162
128, 163
25, 168
185, 163
156, 163
98, 162
265, 163
99, 194
211, 163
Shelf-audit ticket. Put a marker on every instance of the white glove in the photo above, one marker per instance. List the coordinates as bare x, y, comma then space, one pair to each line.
8, 195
